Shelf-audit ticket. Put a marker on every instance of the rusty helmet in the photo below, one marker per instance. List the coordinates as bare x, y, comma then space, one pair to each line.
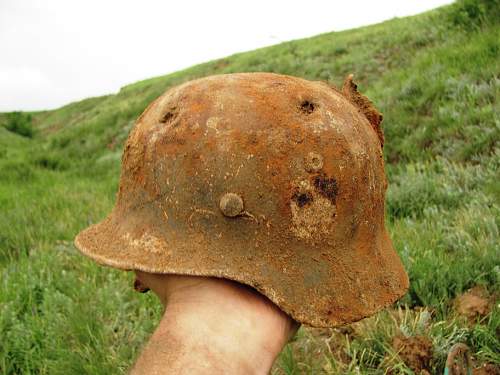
273, 181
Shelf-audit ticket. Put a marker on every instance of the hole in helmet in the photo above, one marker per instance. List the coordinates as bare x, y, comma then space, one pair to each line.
302, 199
307, 107
169, 116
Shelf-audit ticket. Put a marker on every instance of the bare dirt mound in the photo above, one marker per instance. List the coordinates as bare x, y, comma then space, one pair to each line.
487, 369
473, 304
415, 352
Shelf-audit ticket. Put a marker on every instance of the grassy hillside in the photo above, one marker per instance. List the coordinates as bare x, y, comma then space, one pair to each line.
435, 77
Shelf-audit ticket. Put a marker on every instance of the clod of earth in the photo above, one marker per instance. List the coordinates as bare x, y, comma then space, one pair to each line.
487, 369
415, 351
473, 304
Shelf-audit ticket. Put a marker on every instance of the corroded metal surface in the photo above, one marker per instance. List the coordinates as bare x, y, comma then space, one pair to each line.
306, 162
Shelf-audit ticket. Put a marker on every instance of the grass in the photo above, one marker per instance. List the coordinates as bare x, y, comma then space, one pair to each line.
435, 77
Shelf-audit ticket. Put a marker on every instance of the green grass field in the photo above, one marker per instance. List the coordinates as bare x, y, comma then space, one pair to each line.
435, 77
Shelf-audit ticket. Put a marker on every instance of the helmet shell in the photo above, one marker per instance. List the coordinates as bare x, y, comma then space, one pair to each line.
270, 180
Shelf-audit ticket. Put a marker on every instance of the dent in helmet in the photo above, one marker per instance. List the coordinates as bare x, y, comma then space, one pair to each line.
313, 162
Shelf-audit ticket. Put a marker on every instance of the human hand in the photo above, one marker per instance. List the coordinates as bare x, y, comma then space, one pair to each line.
212, 325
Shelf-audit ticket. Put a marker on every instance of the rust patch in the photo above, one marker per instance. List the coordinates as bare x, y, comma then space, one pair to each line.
365, 106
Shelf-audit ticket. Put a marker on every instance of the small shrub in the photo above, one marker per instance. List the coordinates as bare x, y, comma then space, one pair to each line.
20, 123
16, 171
51, 162
471, 14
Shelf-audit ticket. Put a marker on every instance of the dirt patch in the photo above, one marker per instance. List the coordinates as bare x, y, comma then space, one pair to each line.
473, 304
313, 214
415, 352
487, 369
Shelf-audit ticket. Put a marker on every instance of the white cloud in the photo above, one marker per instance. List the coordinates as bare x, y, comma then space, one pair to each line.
27, 85
56, 51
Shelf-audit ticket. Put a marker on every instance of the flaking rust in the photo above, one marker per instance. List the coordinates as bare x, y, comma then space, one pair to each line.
270, 180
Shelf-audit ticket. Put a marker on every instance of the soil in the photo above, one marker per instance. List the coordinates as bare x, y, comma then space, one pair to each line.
487, 369
415, 352
473, 304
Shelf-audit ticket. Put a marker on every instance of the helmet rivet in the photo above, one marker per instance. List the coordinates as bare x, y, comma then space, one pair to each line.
231, 204
313, 162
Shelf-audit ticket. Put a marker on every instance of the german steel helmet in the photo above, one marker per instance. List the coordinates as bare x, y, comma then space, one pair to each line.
270, 180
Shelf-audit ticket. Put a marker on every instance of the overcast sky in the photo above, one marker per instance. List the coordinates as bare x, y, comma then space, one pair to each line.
53, 52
